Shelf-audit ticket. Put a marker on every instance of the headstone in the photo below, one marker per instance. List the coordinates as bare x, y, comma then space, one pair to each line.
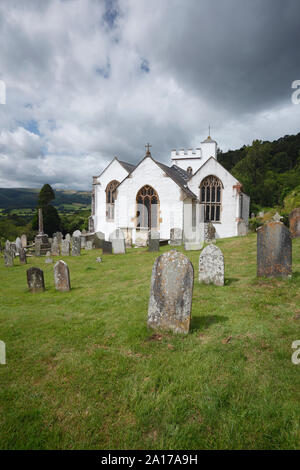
13, 248
55, 247
59, 237
8, 258
107, 248
89, 245
22, 256
141, 237
194, 239
62, 276
98, 239
76, 246
211, 266
68, 237
118, 242
295, 223
176, 236
154, 237
77, 233
35, 280
24, 240
171, 291
242, 228
37, 246
48, 259
18, 244
274, 250
127, 231
7, 245
65, 248
209, 232
83, 241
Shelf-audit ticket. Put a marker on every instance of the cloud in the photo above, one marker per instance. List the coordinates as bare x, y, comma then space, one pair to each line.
90, 79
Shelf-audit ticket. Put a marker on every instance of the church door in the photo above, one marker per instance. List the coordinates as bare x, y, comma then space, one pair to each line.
147, 208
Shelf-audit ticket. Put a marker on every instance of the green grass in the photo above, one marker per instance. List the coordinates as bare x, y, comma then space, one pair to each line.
83, 371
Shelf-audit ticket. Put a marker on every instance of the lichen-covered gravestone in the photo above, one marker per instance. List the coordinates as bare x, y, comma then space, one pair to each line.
171, 292
77, 233
68, 237
22, 256
98, 239
8, 258
117, 240
62, 276
24, 240
7, 245
37, 246
65, 248
295, 223
153, 240
106, 248
175, 236
55, 247
76, 246
35, 280
18, 244
211, 266
274, 250
242, 228
209, 232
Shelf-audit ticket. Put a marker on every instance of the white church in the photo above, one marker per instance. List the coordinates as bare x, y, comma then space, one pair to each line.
195, 189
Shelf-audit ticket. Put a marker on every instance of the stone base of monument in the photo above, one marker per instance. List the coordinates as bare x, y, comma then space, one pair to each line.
45, 245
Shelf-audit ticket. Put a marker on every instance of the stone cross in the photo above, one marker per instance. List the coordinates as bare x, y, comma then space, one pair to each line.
62, 276
171, 291
35, 280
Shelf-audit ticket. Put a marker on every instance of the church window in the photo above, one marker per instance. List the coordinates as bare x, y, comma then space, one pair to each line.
211, 198
147, 207
110, 199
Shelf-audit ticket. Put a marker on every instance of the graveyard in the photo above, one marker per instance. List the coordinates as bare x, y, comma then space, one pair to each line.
85, 371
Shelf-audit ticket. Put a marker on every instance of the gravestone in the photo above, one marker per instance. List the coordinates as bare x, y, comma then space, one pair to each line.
117, 240
65, 248
274, 250
55, 247
62, 276
211, 266
68, 237
7, 245
242, 228
83, 241
194, 238
171, 292
35, 280
98, 238
76, 246
59, 237
18, 244
209, 232
154, 237
295, 223
107, 248
76, 234
127, 231
176, 236
141, 237
84, 232
8, 258
22, 256
37, 246
24, 240
91, 224
13, 248
89, 245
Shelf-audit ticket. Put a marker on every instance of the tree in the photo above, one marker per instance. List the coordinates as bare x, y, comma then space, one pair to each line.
46, 195
52, 222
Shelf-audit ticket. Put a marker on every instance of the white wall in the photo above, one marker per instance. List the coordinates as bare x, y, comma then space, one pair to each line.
227, 227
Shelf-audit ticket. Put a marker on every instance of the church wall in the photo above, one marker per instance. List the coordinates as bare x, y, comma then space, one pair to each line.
169, 193
227, 227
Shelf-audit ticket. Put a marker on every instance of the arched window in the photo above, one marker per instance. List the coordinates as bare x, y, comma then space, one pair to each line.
211, 197
189, 170
147, 208
110, 199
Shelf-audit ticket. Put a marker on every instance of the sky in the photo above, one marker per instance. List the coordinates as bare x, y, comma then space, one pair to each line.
87, 80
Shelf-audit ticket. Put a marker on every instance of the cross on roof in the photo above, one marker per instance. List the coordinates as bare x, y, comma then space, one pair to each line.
147, 146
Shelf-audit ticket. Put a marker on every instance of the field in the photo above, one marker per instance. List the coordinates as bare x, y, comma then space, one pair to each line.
84, 372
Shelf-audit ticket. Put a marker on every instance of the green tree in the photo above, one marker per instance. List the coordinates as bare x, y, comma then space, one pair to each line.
46, 195
52, 222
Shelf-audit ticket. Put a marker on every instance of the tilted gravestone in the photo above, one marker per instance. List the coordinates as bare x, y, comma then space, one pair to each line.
24, 240
211, 266
76, 246
65, 248
154, 237
35, 280
62, 276
8, 258
242, 228
117, 240
55, 247
171, 292
295, 223
274, 250
175, 236
107, 248
22, 256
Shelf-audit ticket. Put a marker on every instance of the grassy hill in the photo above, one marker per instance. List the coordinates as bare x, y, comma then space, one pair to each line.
83, 371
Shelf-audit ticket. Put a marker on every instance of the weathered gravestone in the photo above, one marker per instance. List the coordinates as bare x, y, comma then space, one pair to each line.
77, 233
18, 244
62, 276
89, 245
154, 237
13, 248
7, 245
242, 228
83, 241
68, 237
55, 247
98, 239
175, 236
209, 232
106, 248
117, 240
65, 248
22, 256
194, 238
171, 292
295, 223
274, 250
8, 258
141, 237
37, 246
211, 266
76, 246
35, 280
24, 240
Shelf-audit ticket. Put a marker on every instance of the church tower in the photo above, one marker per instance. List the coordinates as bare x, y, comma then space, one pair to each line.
191, 160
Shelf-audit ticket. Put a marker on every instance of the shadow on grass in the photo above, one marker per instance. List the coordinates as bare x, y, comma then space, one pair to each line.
205, 321
296, 275
230, 280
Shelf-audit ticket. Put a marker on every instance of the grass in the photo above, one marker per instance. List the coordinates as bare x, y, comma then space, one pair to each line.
84, 372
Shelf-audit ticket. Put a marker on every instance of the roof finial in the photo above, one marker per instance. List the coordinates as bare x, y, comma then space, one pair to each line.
208, 130
147, 146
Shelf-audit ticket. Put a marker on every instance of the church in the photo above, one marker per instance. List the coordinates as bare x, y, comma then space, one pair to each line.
195, 189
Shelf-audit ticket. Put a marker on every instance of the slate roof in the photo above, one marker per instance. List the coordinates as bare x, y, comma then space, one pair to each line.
128, 166
179, 176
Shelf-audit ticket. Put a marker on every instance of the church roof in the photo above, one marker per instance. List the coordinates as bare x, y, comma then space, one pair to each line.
179, 176
128, 166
